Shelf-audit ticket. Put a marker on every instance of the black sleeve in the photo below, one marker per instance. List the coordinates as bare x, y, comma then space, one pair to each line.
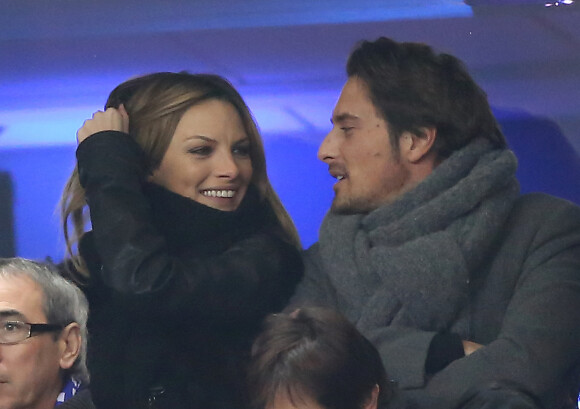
444, 349
254, 276
499, 395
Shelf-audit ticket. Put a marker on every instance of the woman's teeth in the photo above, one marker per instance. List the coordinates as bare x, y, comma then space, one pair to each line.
218, 193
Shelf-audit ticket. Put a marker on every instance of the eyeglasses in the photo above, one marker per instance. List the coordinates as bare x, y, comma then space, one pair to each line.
13, 332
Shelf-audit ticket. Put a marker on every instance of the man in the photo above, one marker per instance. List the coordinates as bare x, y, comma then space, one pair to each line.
42, 339
429, 248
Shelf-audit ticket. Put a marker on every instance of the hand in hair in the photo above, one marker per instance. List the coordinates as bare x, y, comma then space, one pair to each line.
470, 347
113, 119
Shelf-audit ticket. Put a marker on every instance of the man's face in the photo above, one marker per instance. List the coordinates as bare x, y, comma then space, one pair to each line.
359, 154
30, 370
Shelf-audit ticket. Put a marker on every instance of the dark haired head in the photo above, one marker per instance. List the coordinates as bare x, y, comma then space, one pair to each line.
316, 354
412, 87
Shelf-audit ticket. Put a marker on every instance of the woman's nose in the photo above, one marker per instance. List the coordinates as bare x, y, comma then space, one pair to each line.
227, 166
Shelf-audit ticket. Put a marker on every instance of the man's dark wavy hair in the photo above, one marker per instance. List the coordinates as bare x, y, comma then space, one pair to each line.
413, 87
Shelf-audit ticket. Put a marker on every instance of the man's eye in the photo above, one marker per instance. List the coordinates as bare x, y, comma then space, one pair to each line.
347, 128
11, 326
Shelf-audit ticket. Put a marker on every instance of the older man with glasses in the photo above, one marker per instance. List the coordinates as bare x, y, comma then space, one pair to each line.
42, 339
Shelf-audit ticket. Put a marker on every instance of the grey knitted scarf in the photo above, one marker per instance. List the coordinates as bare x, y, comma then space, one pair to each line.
409, 263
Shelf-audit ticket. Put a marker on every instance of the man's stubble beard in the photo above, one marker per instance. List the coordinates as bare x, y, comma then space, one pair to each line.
350, 206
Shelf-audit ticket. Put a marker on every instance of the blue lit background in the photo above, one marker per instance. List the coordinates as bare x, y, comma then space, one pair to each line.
60, 60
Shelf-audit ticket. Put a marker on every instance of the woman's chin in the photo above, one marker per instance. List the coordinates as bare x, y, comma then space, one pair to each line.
225, 204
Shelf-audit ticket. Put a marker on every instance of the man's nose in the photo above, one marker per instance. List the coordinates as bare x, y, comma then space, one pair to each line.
328, 147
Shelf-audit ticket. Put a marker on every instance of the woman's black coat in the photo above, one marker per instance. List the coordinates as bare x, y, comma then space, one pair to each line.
178, 290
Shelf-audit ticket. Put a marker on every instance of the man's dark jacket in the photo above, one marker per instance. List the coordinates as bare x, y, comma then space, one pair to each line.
462, 254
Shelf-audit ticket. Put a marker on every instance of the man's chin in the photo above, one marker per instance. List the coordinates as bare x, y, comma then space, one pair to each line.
347, 207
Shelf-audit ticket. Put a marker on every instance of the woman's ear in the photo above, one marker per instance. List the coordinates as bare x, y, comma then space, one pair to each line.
373, 400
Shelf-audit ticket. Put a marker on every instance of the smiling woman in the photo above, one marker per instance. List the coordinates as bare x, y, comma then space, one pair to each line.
208, 158
190, 246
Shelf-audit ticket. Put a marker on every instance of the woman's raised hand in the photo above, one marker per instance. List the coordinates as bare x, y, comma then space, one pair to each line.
113, 119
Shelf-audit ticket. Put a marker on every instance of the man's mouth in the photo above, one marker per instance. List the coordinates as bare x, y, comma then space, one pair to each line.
227, 193
338, 176
337, 172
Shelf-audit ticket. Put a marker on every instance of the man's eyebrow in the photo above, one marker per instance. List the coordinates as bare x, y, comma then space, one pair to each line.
12, 314
343, 117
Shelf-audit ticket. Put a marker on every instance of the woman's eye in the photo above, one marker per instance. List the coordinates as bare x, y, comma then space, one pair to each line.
201, 150
346, 128
243, 150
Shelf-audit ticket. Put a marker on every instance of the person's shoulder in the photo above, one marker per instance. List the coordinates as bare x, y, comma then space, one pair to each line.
499, 395
539, 218
539, 199
543, 207
311, 256
315, 269
82, 400
311, 250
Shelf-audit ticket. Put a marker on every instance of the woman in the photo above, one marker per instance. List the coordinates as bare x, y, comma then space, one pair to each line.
314, 358
190, 247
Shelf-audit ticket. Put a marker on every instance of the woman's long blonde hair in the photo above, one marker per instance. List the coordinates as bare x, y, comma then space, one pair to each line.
155, 104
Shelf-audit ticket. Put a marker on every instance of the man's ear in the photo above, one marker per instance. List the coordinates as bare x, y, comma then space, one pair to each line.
70, 342
372, 401
416, 147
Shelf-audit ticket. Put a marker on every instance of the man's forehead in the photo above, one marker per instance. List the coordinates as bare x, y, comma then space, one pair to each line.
354, 102
20, 296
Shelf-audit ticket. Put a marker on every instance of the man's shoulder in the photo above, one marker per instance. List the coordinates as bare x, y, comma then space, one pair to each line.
311, 259
315, 287
542, 208
311, 250
542, 200
539, 220
82, 400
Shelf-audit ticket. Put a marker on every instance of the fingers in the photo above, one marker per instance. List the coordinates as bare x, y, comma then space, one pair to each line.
125, 117
123, 111
470, 347
110, 120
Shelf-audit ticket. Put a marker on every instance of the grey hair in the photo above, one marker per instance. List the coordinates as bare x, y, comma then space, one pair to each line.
63, 302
